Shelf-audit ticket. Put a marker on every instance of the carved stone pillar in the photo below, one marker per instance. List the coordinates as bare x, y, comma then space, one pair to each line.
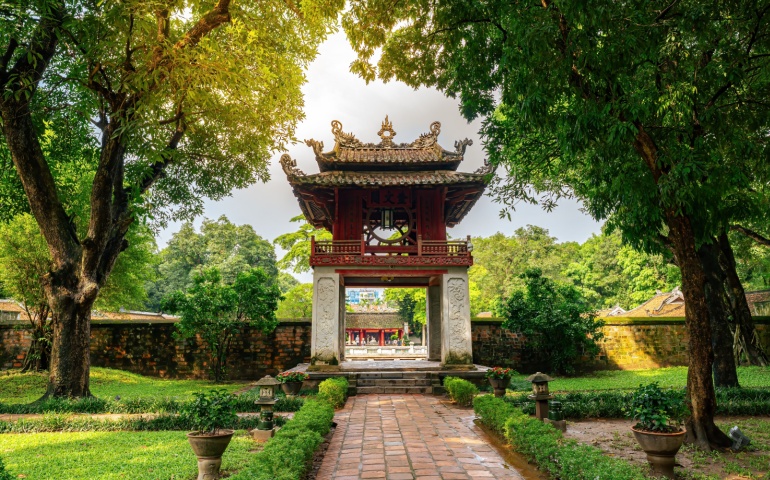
434, 323
456, 344
325, 340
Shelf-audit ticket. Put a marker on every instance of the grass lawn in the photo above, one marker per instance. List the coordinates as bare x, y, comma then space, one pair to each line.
111, 455
107, 383
630, 379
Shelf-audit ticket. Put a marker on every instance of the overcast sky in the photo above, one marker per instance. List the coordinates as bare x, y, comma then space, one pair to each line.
333, 93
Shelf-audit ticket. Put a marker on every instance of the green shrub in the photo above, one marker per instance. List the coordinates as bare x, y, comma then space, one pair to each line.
611, 404
460, 391
334, 391
657, 410
544, 445
4, 474
289, 454
210, 412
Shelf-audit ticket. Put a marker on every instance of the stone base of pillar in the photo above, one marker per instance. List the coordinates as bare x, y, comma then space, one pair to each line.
262, 435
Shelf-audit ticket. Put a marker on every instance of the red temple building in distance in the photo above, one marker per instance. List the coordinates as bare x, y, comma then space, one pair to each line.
388, 206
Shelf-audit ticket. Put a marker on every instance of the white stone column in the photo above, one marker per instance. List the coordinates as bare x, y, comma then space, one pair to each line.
434, 322
325, 340
456, 344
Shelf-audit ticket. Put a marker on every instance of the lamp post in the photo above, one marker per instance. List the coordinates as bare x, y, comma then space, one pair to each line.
265, 428
540, 394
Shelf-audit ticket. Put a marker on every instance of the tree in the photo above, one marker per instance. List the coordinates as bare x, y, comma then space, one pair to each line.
410, 303
221, 244
297, 244
25, 260
297, 302
189, 99
499, 259
218, 310
651, 113
559, 325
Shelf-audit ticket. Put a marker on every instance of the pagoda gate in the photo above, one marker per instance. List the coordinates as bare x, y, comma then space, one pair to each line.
388, 206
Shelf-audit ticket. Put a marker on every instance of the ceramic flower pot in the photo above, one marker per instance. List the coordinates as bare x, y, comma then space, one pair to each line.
661, 449
209, 450
291, 388
499, 385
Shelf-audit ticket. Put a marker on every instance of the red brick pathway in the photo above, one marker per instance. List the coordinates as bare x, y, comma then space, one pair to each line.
400, 437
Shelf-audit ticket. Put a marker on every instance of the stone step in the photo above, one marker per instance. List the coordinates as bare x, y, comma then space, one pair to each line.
368, 375
394, 382
393, 390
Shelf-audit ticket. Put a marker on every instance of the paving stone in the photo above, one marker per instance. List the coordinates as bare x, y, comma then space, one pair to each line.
402, 437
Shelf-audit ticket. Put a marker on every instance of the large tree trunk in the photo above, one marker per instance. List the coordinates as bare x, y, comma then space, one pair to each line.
701, 397
725, 374
71, 362
745, 333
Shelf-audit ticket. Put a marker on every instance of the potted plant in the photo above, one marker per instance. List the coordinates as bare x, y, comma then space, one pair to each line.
499, 378
207, 415
291, 382
659, 429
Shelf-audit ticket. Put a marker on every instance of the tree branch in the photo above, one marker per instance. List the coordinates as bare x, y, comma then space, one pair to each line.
751, 234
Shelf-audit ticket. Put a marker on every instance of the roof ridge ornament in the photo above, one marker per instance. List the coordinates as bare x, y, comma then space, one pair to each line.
387, 133
289, 166
485, 169
344, 139
461, 145
427, 140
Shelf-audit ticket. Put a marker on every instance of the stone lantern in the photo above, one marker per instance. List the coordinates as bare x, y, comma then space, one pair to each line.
265, 428
540, 394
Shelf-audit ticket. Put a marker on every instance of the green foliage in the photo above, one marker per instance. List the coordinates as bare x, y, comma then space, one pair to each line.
615, 404
220, 244
289, 454
460, 391
218, 310
334, 390
656, 410
113, 455
4, 474
297, 245
411, 306
297, 302
544, 445
285, 377
210, 412
556, 320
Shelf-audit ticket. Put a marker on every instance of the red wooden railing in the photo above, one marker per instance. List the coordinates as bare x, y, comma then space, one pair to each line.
424, 248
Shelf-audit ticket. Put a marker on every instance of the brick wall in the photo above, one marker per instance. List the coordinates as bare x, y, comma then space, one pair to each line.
150, 349
627, 344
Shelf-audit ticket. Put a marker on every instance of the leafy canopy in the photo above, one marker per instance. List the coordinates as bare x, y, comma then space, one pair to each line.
297, 244
559, 325
220, 244
218, 310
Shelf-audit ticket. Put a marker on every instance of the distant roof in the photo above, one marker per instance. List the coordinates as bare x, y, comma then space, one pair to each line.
13, 310
425, 153
373, 320
759, 302
663, 304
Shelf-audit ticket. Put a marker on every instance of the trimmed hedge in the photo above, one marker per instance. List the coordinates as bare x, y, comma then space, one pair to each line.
67, 423
243, 403
334, 390
460, 391
288, 455
609, 404
544, 445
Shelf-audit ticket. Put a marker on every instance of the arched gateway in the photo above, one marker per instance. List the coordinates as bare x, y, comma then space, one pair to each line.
388, 207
